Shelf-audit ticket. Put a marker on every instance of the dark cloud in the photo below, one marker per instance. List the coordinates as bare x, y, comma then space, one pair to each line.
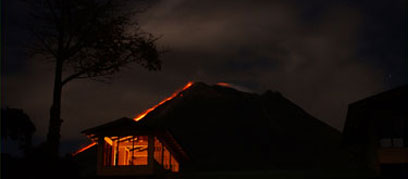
313, 62
311, 53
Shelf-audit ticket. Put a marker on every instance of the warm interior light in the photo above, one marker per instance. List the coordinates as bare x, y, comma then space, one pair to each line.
108, 140
123, 151
164, 157
143, 114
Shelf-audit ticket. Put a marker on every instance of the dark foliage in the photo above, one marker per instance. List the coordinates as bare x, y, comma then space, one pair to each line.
38, 165
16, 125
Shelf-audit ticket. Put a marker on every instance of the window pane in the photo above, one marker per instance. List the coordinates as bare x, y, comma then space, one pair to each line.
107, 150
158, 151
139, 151
174, 165
385, 142
129, 150
398, 142
166, 158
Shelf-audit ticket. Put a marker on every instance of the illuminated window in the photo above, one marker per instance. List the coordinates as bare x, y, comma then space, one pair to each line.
107, 148
158, 151
174, 164
133, 150
166, 158
129, 150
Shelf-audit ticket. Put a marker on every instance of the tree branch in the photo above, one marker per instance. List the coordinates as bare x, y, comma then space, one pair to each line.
73, 76
44, 43
54, 14
86, 70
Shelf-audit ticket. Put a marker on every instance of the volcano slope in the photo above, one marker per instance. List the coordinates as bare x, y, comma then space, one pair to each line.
223, 129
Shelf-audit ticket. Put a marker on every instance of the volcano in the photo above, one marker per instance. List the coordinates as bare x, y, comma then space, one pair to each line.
224, 129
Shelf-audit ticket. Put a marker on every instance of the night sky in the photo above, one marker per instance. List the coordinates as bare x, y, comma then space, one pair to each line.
321, 54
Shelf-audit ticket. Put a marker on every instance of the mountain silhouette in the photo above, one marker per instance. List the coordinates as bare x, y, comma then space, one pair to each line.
222, 128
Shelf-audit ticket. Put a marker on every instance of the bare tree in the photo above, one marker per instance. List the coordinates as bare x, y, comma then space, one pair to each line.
87, 39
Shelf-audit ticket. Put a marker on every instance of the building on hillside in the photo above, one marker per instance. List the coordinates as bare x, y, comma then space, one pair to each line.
376, 131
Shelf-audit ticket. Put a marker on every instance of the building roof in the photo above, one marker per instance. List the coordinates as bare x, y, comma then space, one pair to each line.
394, 98
377, 116
117, 127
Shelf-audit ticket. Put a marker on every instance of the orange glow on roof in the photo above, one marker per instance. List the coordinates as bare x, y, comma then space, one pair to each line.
223, 84
84, 148
143, 114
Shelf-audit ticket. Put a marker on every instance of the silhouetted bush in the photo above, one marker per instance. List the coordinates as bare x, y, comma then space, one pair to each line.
38, 164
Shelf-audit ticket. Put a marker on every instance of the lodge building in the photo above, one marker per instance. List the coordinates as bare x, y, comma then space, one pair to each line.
126, 148
376, 132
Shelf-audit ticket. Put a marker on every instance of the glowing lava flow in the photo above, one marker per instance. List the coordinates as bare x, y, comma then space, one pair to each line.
83, 149
141, 115
223, 84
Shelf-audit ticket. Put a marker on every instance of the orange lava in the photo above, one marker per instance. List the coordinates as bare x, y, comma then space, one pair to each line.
83, 149
223, 84
142, 115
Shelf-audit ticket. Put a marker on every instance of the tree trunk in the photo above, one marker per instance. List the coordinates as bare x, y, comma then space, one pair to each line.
54, 128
